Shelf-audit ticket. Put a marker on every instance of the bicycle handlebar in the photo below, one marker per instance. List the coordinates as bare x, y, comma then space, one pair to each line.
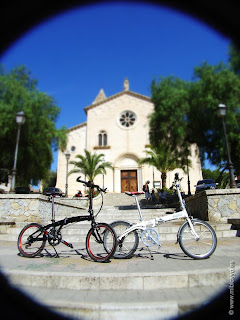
91, 185
176, 178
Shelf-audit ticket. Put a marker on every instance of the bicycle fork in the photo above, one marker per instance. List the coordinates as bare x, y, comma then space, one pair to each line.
96, 234
193, 232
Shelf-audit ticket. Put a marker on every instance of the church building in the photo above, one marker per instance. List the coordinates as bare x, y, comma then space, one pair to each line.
118, 127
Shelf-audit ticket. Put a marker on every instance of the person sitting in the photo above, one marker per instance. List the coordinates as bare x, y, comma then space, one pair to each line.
162, 196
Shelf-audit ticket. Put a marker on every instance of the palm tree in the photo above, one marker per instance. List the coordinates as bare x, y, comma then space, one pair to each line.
90, 165
164, 160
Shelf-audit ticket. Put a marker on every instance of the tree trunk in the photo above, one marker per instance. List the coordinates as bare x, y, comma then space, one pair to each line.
164, 178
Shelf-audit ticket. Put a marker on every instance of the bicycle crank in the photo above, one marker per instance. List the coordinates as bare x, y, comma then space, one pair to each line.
54, 237
150, 237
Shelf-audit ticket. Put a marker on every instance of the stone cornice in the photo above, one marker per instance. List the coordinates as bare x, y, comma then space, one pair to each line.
131, 93
81, 125
101, 147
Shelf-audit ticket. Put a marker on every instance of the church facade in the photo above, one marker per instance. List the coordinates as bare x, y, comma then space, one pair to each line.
118, 127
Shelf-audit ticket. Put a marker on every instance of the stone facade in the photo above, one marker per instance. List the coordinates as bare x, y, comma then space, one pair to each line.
215, 205
118, 127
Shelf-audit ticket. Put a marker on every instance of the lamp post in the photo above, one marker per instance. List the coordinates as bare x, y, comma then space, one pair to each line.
20, 119
103, 160
67, 155
222, 110
153, 179
189, 189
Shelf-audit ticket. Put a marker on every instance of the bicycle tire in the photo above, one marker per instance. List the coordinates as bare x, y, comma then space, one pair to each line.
101, 242
31, 240
129, 244
198, 249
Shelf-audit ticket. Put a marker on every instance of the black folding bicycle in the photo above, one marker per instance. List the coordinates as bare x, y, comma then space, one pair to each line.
101, 239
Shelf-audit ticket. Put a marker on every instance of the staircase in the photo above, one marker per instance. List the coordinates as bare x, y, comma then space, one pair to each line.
122, 210
137, 288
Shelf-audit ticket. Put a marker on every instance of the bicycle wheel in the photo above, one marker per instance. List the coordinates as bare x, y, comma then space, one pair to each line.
101, 242
201, 248
127, 245
31, 240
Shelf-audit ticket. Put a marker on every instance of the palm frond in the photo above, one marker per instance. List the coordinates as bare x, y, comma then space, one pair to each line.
90, 165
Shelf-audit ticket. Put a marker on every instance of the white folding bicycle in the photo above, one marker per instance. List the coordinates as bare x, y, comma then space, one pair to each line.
196, 238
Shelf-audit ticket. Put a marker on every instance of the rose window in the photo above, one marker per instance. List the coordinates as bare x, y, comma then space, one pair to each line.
127, 119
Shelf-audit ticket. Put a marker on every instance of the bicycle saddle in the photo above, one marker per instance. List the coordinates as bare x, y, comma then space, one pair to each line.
133, 193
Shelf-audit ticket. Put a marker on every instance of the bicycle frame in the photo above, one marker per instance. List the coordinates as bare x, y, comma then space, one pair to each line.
142, 225
64, 222
33, 237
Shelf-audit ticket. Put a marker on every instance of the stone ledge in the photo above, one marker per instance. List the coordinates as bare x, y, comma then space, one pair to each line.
215, 205
21, 196
222, 191
234, 221
28, 207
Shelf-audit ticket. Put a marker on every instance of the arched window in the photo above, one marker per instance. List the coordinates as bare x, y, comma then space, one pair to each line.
102, 139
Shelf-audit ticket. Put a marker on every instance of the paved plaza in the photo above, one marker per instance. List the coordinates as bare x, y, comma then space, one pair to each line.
141, 287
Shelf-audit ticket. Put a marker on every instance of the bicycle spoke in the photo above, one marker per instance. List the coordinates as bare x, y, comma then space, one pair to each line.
128, 244
202, 247
101, 242
31, 240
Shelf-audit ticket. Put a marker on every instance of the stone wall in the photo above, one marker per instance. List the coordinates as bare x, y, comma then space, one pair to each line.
37, 208
215, 205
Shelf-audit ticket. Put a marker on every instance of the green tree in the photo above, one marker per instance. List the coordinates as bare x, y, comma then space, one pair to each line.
220, 177
163, 159
214, 85
50, 180
168, 125
18, 92
234, 58
186, 113
90, 165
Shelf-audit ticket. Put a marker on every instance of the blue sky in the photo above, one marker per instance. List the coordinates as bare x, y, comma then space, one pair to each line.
75, 54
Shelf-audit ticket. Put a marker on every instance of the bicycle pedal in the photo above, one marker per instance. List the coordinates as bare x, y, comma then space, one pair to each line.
70, 245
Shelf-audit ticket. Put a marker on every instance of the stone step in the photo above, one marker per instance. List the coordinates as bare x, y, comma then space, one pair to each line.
137, 288
143, 281
168, 227
118, 199
126, 211
121, 305
77, 232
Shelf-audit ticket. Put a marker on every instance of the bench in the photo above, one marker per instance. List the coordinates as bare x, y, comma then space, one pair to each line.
235, 223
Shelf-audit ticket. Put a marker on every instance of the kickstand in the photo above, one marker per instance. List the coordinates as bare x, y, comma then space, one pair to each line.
152, 258
150, 253
55, 255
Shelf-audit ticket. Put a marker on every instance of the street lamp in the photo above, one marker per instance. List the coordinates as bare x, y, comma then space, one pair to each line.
67, 155
20, 119
103, 160
222, 110
189, 188
153, 178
